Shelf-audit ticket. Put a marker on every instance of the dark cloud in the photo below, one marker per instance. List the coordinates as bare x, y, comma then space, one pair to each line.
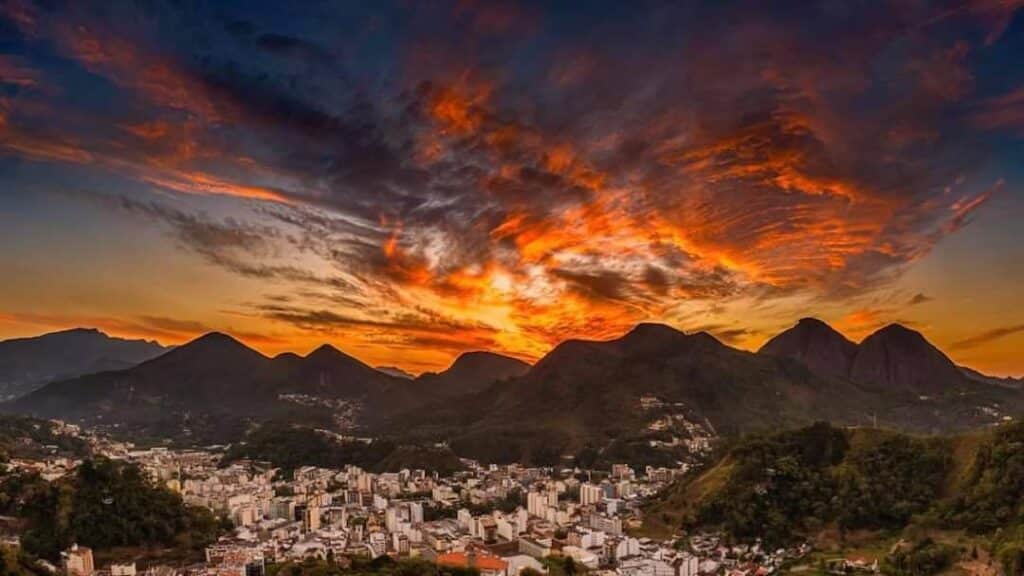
919, 298
292, 47
601, 285
987, 336
628, 159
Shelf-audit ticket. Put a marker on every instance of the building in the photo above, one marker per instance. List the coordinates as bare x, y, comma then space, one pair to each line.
520, 562
485, 563
122, 569
77, 561
311, 518
534, 547
590, 494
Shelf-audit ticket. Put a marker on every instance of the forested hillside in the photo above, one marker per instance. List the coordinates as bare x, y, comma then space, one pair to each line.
105, 505
794, 485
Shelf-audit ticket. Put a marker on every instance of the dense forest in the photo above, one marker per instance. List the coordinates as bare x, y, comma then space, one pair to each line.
288, 447
103, 505
790, 485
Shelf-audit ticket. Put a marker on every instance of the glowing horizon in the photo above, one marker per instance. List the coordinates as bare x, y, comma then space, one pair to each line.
410, 182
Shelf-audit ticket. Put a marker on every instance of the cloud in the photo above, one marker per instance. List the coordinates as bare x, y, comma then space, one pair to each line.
919, 298
165, 330
987, 337
500, 158
1003, 112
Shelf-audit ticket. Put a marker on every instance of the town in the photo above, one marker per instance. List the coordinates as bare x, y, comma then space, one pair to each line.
497, 519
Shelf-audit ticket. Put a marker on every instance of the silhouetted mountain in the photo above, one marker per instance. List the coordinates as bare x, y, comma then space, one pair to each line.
1008, 382
914, 385
471, 372
213, 388
897, 357
590, 393
894, 359
396, 372
28, 363
813, 342
331, 373
642, 396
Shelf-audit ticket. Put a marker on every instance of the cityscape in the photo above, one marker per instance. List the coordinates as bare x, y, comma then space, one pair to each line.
511, 288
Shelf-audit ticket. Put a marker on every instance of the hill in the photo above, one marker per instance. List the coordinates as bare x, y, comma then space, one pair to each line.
29, 438
28, 363
794, 484
291, 446
471, 372
105, 505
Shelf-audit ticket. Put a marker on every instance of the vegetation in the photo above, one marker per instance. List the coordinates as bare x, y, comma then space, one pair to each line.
104, 504
790, 485
780, 485
23, 437
382, 566
15, 562
993, 490
289, 447
888, 478
922, 558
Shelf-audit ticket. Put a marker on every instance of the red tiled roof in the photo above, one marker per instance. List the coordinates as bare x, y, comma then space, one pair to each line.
479, 561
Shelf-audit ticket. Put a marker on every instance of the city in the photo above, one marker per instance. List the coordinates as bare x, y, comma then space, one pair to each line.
499, 520
511, 288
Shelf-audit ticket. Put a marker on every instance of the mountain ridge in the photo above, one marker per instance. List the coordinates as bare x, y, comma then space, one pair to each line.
893, 358
652, 386
31, 362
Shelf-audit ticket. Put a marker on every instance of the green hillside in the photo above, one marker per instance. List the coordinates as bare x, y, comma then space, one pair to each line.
852, 482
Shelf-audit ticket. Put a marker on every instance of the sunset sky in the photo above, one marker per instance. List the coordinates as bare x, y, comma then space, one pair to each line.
410, 180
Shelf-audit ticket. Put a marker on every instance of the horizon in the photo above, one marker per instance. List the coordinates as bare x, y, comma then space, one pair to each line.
408, 183
384, 367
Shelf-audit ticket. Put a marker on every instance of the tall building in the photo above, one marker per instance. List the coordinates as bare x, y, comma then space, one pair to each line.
536, 504
415, 512
590, 494
311, 519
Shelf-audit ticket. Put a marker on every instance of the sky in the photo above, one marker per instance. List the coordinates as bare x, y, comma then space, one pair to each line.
410, 180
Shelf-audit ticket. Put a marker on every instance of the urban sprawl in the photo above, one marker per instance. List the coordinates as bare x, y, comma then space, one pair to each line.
497, 519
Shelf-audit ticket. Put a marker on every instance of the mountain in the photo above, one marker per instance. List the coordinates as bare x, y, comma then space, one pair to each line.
653, 395
894, 359
654, 383
396, 372
471, 372
898, 357
816, 344
331, 373
28, 363
1008, 382
213, 388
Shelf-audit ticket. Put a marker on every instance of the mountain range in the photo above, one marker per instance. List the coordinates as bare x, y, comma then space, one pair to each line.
653, 389
214, 388
894, 358
28, 363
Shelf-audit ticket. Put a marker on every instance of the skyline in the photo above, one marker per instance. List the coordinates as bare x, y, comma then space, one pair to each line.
410, 182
